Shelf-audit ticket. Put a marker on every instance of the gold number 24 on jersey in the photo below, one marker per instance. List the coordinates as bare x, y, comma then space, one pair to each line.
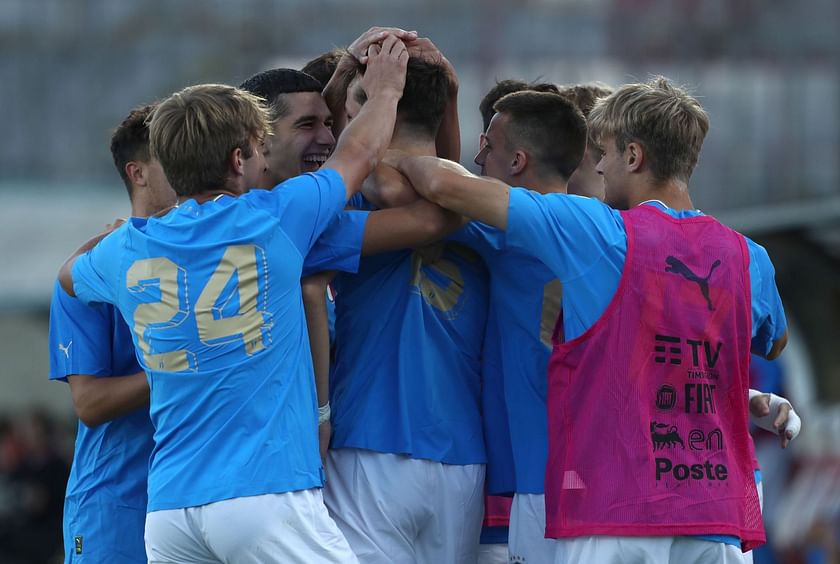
166, 286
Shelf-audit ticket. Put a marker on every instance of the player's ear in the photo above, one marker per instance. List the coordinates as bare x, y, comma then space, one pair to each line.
519, 162
634, 156
236, 162
135, 173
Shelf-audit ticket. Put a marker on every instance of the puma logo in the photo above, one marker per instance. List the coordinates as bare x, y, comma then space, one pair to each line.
677, 266
65, 350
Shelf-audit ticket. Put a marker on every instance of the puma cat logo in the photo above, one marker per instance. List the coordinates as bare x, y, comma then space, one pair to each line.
676, 266
65, 350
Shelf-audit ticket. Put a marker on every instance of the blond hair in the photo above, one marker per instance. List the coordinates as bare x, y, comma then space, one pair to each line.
669, 123
193, 132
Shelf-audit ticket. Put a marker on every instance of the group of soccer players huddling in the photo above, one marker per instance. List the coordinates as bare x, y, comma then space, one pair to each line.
547, 363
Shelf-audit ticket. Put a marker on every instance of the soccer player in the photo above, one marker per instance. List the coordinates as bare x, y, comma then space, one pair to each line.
405, 389
661, 307
211, 291
585, 180
92, 350
536, 140
301, 141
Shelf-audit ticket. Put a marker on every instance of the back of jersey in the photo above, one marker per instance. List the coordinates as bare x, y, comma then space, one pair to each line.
212, 294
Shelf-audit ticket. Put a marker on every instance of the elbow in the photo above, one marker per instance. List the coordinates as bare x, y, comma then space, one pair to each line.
65, 278
436, 191
89, 416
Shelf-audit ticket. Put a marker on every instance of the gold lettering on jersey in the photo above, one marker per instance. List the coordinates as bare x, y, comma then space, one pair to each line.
164, 277
552, 302
248, 323
443, 297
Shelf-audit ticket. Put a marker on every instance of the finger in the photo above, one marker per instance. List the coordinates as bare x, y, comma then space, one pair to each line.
373, 50
389, 43
784, 439
782, 417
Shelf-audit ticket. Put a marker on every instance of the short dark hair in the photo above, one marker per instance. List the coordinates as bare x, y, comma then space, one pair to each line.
425, 95
323, 66
270, 85
130, 141
505, 87
549, 125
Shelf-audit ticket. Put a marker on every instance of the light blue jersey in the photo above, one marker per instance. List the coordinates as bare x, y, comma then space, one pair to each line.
524, 304
105, 504
212, 294
584, 243
409, 328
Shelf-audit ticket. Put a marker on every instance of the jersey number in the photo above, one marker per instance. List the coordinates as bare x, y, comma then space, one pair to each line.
218, 317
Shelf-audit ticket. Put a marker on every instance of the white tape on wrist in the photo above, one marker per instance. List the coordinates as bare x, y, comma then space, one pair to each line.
324, 413
793, 424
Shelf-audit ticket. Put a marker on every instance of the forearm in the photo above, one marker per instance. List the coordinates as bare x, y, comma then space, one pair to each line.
452, 187
364, 141
448, 140
315, 308
335, 92
98, 400
414, 225
65, 273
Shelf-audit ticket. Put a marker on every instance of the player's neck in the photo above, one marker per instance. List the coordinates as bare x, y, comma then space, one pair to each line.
541, 183
410, 141
673, 193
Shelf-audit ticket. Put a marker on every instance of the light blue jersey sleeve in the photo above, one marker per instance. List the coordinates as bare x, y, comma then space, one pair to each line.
97, 272
768, 314
305, 205
79, 337
572, 235
340, 246
484, 239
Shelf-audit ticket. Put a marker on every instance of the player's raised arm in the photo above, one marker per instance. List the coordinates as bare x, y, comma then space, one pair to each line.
453, 187
335, 91
365, 140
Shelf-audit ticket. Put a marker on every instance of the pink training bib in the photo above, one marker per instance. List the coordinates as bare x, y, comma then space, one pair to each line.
648, 422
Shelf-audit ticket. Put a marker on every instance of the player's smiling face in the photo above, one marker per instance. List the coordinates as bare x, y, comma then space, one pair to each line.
302, 138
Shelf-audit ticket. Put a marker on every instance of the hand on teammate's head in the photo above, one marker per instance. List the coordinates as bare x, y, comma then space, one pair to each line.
376, 35
386, 68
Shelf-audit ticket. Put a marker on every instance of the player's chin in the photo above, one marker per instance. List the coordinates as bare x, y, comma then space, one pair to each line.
309, 166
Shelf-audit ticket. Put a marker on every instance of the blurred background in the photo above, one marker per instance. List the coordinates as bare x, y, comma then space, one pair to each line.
767, 72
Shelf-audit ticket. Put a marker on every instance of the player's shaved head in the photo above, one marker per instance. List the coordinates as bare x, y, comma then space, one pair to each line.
548, 126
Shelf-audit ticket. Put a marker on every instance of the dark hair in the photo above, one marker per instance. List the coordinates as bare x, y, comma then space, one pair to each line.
505, 87
270, 85
425, 95
323, 66
549, 125
130, 141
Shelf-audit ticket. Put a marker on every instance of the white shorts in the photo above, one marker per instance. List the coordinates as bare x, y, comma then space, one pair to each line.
396, 509
644, 550
526, 540
493, 554
292, 527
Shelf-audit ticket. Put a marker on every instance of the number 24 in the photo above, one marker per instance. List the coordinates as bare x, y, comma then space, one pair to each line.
167, 281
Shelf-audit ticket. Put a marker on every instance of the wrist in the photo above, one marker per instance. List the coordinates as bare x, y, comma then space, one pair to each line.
324, 413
